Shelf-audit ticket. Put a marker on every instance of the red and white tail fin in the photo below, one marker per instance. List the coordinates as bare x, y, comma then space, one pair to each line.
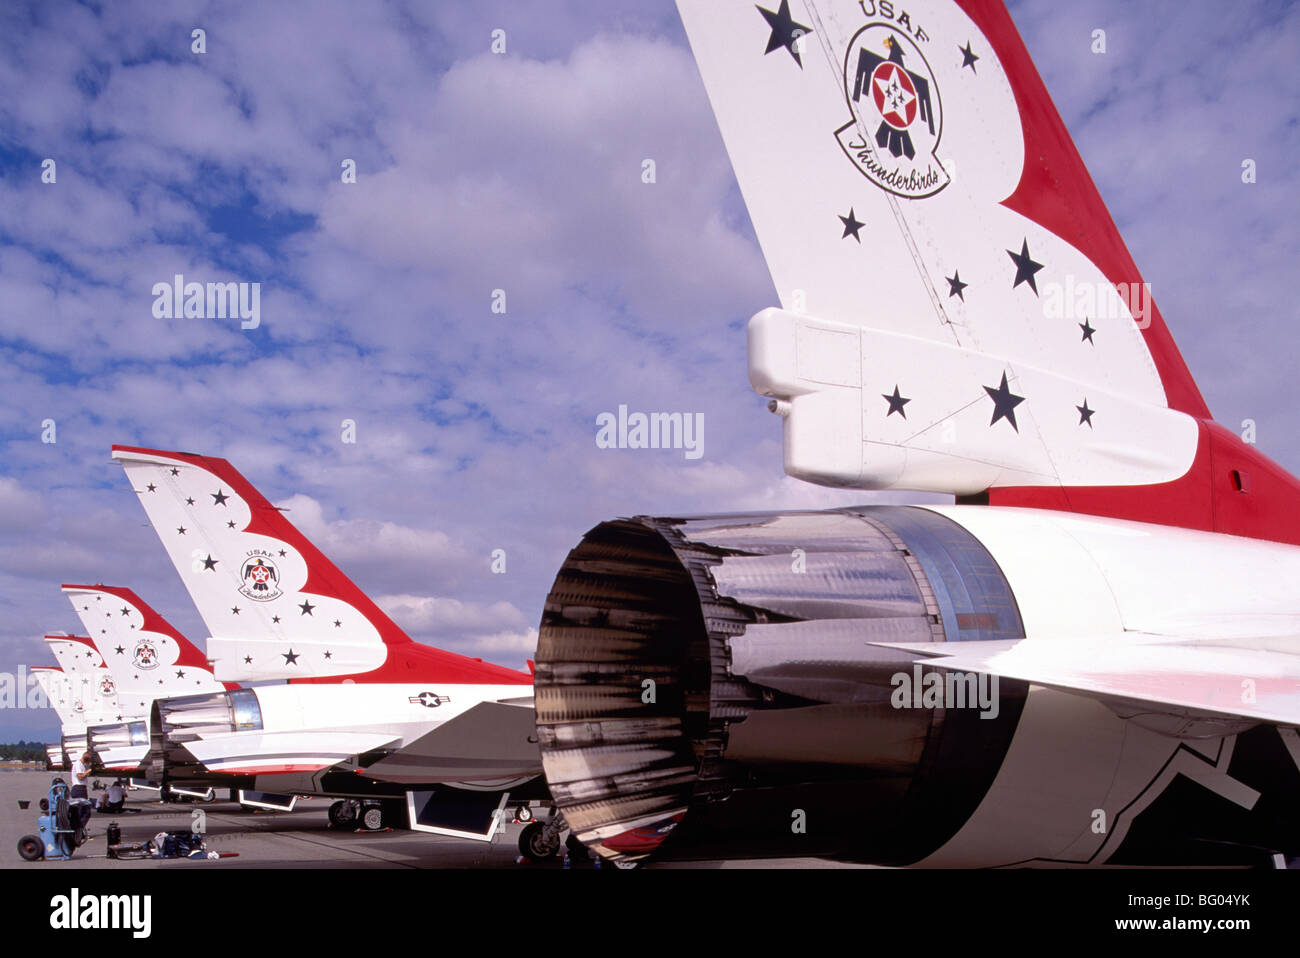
86, 686
276, 607
959, 313
147, 657
57, 689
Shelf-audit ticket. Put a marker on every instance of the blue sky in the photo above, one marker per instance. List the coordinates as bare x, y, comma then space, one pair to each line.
521, 172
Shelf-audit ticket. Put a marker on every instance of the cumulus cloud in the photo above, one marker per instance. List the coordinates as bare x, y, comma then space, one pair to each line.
474, 430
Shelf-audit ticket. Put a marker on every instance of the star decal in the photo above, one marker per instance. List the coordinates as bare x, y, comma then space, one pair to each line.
1025, 267
1085, 414
275, 619
181, 530
337, 624
290, 657
230, 524
219, 498
210, 564
175, 471
234, 610
896, 403
329, 654
955, 285
1004, 403
151, 487
785, 31
851, 226
189, 502
180, 674
283, 553
248, 660
119, 650
306, 607
968, 58
1087, 332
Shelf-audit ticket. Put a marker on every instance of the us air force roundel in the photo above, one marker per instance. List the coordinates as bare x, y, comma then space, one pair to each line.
897, 115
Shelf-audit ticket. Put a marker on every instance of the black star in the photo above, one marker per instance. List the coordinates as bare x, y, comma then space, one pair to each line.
181, 530
337, 623
234, 609
955, 285
151, 487
125, 610
189, 502
784, 31
219, 498
283, 553
1085, 414
290, 657
968, 58
1004, 403
1087, 332
230, 524
896, 403
160, 681
175, 471
119, 650
1025, 267
851, 226
306, 607
180, 674
329, 654
248, 660
275, 619
210, 564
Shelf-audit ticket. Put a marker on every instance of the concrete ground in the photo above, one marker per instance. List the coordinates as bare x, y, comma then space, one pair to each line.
301, 838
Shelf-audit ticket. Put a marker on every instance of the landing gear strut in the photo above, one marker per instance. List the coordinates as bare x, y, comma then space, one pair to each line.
540, 841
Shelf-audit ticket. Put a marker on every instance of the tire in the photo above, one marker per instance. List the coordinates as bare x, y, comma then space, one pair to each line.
532, 846
210, 797
342, 814
62, 815
31, 848
523, 813
372, 818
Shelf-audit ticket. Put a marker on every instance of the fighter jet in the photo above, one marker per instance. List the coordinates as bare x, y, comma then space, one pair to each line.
147, 659
1091, 658
338, 699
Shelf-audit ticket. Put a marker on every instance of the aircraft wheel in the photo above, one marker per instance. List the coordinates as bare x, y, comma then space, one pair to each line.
372, 818
532, 843
31, 848
343, 813
209, 797
523, 814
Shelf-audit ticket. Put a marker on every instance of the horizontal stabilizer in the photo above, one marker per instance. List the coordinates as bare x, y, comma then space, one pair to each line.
1182, 685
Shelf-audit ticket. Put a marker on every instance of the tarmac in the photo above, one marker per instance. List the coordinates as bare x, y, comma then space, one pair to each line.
302, 838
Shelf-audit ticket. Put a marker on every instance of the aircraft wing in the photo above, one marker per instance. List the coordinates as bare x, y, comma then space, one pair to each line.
1179, 683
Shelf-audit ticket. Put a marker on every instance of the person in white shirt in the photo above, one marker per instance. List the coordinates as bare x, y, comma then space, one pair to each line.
81, 777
